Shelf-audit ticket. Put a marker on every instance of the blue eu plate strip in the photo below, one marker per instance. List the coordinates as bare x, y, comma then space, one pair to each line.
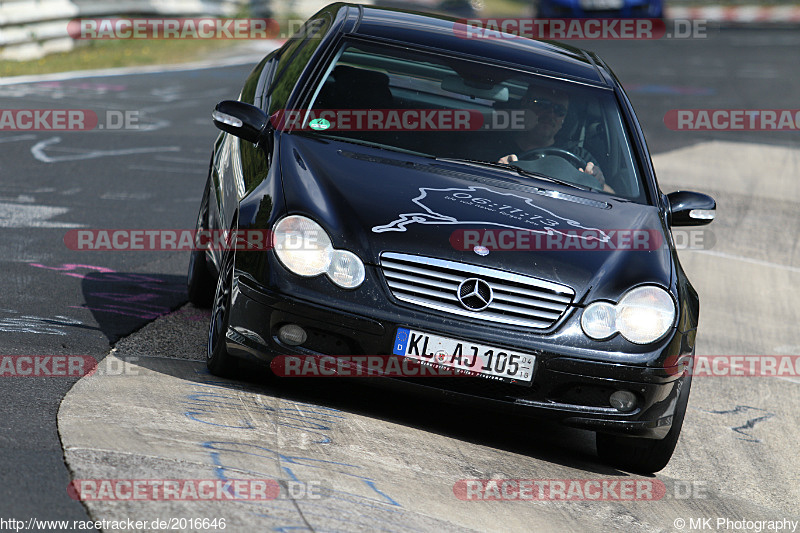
400, 341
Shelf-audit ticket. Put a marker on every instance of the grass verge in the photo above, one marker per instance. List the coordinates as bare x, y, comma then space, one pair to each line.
111, 54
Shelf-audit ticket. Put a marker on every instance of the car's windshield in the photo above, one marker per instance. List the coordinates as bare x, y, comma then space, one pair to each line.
449, 108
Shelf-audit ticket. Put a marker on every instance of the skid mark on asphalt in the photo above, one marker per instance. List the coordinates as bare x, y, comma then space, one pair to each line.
126, 196
38, 325
348, 494
171, 93
208, 406
19, 199
749, 424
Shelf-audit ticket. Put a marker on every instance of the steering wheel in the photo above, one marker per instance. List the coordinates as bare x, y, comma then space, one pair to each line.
579, 162
538, 153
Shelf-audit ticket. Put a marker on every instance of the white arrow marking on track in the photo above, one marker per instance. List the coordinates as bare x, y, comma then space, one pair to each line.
32, 216
38, 151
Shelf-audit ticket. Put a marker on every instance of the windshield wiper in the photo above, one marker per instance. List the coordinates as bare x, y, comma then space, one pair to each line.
479, 162
519, 170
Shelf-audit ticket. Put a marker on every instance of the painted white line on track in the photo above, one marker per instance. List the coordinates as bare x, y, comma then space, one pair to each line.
163, 169
38, 151
32, 216
749, 260
27, 137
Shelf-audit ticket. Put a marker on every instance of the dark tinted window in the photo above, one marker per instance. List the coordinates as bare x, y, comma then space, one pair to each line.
562, 130
294, 57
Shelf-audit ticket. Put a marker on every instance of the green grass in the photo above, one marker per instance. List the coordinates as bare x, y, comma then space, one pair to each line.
110, 54
513, 8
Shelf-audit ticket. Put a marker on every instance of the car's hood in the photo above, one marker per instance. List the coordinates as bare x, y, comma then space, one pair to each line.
373, 201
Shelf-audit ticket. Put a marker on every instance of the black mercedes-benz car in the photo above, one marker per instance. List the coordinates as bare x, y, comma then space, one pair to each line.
481, 204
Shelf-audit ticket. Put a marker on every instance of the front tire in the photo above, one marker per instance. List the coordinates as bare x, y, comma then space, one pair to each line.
218, 360
637, 454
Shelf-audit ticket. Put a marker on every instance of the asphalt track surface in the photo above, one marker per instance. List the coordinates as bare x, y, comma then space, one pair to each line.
384, 460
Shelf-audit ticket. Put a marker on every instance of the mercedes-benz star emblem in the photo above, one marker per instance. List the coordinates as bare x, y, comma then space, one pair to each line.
474, 294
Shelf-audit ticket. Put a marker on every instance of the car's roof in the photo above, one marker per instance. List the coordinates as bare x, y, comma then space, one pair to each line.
450, 35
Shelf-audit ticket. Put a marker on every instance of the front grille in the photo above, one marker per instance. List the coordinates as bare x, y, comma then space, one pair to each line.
516, 300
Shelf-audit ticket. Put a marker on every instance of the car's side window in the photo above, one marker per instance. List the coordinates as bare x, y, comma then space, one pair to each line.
255, 163
258, 80
265, 80
249, 89
294, 57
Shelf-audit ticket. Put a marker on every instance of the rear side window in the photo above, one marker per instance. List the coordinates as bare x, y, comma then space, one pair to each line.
294, 58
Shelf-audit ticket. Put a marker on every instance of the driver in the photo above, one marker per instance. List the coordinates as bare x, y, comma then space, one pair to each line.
545, 110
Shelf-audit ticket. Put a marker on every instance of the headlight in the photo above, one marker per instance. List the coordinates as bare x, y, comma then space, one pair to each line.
303, 247
642, 316
346, 269
645, 314
599, 320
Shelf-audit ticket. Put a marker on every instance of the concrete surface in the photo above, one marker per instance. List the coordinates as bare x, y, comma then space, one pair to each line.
389, 461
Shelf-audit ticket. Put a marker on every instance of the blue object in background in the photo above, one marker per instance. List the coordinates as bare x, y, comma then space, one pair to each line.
600, 8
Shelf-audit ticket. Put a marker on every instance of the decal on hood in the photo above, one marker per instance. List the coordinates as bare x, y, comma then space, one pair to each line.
521, 213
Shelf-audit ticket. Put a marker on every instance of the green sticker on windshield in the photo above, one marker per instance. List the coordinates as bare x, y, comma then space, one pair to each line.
319, 124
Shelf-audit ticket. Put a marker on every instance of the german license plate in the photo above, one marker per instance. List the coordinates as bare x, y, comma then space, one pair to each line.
473, 359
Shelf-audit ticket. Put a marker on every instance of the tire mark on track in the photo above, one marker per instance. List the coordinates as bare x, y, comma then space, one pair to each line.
750, 422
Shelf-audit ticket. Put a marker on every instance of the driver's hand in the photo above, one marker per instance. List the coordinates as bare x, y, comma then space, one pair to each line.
508, 159
595, 171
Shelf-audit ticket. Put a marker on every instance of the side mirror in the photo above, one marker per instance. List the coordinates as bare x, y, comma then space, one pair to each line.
242, 120
687, 208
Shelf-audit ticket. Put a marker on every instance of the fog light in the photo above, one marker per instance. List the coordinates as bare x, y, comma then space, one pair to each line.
292, 334
623, 400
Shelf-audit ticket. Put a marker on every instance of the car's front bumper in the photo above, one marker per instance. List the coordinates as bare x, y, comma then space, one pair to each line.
570, 389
